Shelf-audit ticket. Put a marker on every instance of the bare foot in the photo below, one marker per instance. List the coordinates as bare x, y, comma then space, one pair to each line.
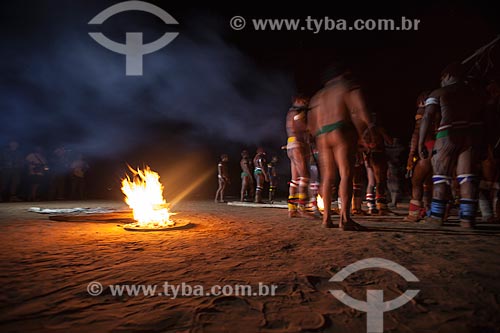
328, 224
412, 218
359, 212
350, 225
308, 215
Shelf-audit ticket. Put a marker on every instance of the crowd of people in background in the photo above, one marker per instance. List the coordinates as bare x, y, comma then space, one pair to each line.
337, 149
35, 175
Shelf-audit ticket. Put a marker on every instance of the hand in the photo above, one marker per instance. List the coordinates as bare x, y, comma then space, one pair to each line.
410, 164
424, 153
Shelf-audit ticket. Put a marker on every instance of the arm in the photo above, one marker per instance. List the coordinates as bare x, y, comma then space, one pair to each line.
220, 170
225, 174
264, 170
414, 142
359, 113
245, 167
431, 109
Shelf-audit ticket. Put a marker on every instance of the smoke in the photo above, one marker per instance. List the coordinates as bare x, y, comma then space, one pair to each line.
61, 86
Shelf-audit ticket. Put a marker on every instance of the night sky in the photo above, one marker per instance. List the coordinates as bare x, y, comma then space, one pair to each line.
212, 90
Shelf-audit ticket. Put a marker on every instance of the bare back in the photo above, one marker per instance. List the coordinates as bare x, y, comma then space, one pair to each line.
339, 102
458, 103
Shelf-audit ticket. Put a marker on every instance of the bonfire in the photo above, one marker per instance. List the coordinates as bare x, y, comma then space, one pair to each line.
144, 195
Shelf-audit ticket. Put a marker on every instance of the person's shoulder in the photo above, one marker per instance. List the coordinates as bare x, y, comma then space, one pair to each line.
437, 92
434, 97
352, 84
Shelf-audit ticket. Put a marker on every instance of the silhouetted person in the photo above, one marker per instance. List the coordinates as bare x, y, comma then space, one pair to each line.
376, 160
298, 152
11, 169
260, 173
337, 115
273, 178
420, 169
79, 168
394, 154
460, 124
59, 171
490, 159
223, 177
247, 187
37, 172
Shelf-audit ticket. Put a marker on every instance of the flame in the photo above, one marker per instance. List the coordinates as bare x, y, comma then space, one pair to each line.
144, 195
320, 203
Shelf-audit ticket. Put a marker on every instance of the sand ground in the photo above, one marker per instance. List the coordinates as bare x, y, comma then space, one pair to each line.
46, 266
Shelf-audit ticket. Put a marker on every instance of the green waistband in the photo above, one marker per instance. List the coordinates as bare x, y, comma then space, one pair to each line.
457, 131
244, 174
331, 127
442, 134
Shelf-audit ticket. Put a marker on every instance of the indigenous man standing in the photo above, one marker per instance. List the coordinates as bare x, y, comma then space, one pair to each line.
420, 169
260, 173
246, 176
376, 160
490, 161
459, 108
336, 111
298, 153
223, 177
273, 178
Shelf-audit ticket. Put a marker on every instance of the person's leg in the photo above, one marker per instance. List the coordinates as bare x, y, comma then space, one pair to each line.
370, 189
344, 155
328, 169
442, 164
219, 189
380, 171
357, 183
427, 195
467, 180
272, 189
14, 186
417, 191
485, 189
294, 183
244, 188
393, 184
222, 189
303, 173
345, 164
